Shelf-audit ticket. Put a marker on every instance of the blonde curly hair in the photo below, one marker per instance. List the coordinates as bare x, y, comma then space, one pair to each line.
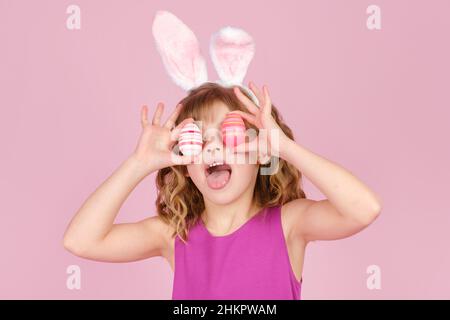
179, 202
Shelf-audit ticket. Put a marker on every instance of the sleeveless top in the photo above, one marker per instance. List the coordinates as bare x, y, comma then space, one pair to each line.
250, 263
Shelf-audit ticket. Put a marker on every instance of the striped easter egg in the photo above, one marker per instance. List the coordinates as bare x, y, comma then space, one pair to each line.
190, 140
233, 130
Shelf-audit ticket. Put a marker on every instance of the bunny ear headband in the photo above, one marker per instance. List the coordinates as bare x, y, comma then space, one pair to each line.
231, 51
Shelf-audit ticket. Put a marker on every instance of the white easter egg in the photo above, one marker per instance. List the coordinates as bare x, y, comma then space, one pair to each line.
190, 140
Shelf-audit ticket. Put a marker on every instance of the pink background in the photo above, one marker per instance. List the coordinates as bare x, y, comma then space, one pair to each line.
376, 102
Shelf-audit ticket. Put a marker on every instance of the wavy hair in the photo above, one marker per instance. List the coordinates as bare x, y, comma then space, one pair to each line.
179, 202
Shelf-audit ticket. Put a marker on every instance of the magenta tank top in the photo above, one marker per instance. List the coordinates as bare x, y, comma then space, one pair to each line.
250, 263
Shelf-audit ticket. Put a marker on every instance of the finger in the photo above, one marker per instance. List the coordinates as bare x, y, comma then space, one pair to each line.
263, 150
246, 101
175, 133
158, 113
144, 116
267, 109
257, 92
247, 116
184, 160
173, 117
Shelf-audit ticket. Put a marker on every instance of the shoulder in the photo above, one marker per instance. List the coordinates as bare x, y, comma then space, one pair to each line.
156, 226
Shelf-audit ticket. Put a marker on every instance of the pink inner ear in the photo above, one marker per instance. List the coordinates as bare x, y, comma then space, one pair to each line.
230, 57
182, 56
179, 49
233, 51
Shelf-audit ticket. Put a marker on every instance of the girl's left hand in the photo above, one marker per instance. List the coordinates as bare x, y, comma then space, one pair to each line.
269, 142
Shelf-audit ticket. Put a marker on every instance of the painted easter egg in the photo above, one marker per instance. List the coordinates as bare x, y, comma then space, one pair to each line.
233, 130
190, 140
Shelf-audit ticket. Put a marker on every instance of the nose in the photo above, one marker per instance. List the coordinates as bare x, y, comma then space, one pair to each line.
213, 150
214, 146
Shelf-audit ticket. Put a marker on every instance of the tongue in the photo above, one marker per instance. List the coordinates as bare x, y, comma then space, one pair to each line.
218, 179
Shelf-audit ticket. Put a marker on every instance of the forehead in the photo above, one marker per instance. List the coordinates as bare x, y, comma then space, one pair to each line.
215, 115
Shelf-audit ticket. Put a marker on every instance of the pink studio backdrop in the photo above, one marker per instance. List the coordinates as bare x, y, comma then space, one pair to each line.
375, 101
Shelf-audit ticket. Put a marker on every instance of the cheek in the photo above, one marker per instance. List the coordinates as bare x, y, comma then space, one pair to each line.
245, 171
195, 171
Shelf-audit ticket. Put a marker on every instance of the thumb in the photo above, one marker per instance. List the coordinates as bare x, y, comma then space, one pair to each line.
184, 160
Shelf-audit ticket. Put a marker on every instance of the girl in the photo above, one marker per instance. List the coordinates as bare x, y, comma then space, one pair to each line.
243, 240
230, 229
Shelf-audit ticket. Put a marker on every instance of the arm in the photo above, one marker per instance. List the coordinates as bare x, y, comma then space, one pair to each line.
350, 205
92, 233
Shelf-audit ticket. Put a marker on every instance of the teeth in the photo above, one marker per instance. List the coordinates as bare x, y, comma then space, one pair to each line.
215, 164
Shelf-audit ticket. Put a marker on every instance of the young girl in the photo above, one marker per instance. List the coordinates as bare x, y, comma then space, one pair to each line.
227, 230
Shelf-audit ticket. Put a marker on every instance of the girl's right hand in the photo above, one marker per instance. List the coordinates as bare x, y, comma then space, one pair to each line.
154, 149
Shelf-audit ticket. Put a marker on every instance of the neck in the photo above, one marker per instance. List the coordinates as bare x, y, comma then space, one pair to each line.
226, 217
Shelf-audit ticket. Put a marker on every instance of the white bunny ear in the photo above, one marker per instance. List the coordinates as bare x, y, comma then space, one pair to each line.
232, 50
180, 51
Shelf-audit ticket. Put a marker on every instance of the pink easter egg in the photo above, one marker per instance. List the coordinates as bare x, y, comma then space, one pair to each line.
233, 130
190, 140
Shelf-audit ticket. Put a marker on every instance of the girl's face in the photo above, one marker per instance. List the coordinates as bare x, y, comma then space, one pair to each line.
221, 176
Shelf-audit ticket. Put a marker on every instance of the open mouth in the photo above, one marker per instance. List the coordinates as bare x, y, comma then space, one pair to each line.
217, 175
